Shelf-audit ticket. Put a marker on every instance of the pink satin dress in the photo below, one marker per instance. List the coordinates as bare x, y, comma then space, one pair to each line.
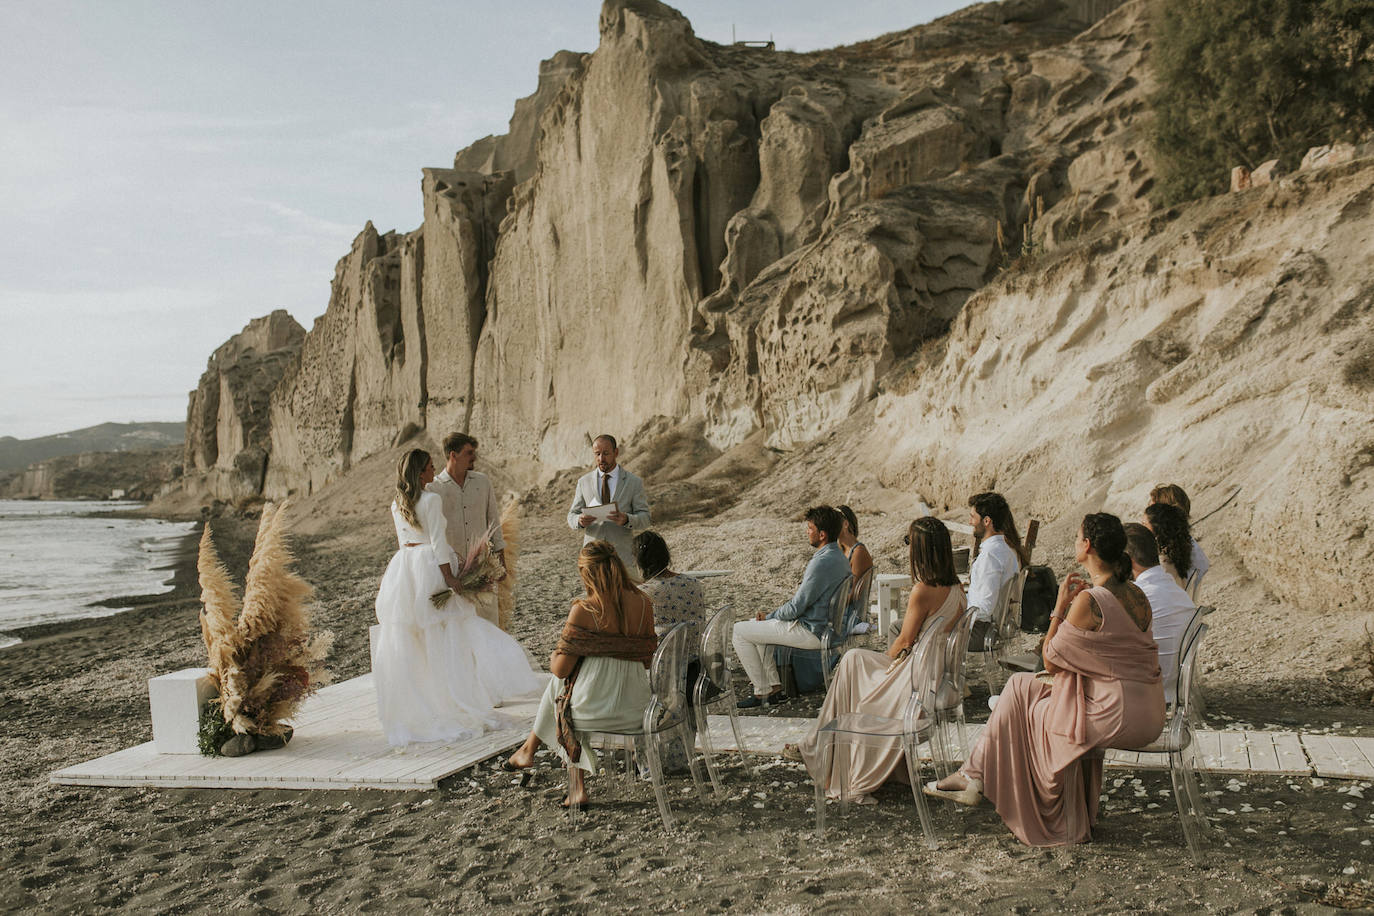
1040, 756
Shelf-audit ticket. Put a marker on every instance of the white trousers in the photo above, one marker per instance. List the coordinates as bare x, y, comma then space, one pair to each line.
754, 641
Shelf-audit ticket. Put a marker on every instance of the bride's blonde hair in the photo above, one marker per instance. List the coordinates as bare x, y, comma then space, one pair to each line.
605, 579
408, 489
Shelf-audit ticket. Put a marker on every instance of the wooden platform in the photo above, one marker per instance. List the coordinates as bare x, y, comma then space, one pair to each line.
339, 745
1232, 752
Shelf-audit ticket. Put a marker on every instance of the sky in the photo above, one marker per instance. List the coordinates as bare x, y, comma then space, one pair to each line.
171, 170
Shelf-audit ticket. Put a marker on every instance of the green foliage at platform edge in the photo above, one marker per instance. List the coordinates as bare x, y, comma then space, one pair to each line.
1241, 82
213, 730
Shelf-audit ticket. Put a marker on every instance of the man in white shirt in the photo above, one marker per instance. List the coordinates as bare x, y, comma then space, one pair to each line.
997, 562
1170, 607
470, 508
608, 483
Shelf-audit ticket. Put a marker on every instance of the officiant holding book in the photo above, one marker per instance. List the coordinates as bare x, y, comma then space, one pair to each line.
610, 504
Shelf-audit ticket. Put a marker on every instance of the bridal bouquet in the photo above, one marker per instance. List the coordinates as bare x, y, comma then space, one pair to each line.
481, 571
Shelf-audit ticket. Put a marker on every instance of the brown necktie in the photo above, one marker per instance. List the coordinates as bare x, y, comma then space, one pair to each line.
605, 489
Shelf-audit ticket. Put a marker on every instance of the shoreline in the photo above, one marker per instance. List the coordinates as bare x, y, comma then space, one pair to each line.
181, 583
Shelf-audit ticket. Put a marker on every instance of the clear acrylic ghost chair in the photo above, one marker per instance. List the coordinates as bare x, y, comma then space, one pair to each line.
834, 639
666, 714
915, 725
838, 604
949, 699
1001, 638
1194, 584
713, 686
1179, 742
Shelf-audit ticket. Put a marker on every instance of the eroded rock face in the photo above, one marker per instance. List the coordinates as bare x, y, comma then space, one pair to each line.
740, 239
1225, 349
228, 433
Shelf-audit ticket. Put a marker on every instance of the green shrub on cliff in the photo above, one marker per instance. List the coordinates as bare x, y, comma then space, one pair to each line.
1245, 81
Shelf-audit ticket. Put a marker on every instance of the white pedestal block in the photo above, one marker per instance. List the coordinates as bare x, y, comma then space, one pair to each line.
176, 700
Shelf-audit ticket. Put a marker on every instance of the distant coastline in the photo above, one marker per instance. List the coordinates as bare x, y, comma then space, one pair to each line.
138, 561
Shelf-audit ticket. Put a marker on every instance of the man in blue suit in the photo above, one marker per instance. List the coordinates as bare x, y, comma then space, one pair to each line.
801, 620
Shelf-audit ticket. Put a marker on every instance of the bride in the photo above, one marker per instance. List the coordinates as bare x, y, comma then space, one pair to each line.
439, 672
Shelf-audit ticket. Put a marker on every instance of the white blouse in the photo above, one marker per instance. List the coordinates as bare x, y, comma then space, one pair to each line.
429, 509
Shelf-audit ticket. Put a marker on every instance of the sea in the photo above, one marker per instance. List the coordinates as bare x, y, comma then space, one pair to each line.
58, 557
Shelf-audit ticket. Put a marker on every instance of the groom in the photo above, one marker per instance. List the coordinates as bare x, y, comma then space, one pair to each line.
609, 483
469, 509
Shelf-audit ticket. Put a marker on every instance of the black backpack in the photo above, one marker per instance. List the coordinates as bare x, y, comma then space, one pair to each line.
1037, 599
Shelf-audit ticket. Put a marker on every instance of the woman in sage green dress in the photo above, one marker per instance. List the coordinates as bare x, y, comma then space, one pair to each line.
600, 668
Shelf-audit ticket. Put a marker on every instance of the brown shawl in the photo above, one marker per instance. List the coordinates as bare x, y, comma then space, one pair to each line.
584, 643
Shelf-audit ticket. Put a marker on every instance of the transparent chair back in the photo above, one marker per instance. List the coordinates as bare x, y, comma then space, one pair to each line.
949, 699
837, 608
855, 727
665, 713
713, 686
1179, 741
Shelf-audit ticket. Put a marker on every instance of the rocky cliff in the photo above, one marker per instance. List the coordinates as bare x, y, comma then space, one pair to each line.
943, 235
227, 434
741, 237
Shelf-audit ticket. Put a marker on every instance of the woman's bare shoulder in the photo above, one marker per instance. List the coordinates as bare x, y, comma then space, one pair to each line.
581, 615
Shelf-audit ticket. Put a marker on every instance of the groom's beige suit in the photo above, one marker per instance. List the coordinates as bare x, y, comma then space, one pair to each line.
629, 498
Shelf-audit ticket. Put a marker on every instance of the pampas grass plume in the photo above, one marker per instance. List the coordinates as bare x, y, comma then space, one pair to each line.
505, 589
221, 606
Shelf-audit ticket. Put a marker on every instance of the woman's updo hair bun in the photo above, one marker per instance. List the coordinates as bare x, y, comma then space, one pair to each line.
1107, 536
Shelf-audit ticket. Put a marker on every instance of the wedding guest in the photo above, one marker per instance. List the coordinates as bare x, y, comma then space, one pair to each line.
604, 484
1038, 759
1172, 494
1170, 607
439, 672
998, 558
878, 684
600, 669
860, 560
799, 622
470, 509
677, 599
1170, 528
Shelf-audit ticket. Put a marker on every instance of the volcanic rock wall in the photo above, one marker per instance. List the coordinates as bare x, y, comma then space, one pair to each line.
227, 434
732, 237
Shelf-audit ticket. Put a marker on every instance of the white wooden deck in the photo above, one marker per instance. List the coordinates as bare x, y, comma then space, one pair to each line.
1235, 752
339, 745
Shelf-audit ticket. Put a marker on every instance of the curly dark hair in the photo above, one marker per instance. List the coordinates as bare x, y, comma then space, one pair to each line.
1175, 540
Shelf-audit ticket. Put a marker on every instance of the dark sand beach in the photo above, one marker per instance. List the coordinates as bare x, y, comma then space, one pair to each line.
484, 843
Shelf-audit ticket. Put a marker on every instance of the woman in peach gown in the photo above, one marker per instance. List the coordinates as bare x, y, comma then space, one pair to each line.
1039, 759
879, 683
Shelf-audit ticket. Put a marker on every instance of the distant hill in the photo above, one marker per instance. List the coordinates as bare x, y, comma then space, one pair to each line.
17, 454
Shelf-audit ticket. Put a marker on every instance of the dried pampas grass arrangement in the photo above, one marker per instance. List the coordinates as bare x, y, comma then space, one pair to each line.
505, 589
266, 662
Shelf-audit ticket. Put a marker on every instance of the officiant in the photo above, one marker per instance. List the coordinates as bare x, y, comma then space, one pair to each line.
610, 504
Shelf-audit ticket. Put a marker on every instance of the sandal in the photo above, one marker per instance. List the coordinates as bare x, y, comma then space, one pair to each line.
792, 752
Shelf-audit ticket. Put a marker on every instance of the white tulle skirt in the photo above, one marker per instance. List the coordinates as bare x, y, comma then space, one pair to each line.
440, 673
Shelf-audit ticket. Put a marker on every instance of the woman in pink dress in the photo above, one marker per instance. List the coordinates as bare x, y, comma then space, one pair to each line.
1040, 757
